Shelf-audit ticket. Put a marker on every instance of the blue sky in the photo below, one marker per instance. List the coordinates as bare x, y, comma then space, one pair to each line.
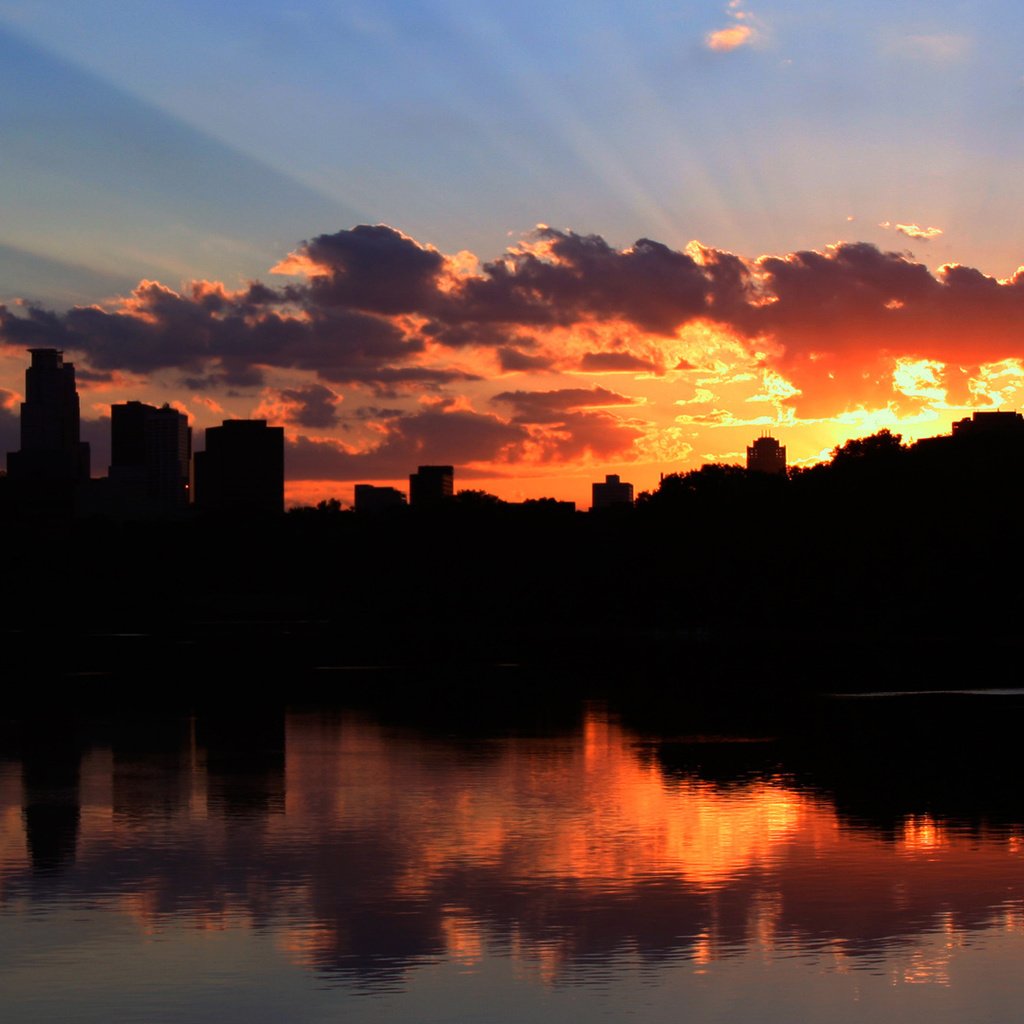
202, 139
184, 140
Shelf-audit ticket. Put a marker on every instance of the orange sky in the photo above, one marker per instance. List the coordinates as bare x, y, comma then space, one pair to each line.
562, 360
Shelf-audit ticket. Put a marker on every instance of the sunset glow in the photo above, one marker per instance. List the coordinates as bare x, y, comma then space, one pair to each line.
564, 360
588, 819
329, 265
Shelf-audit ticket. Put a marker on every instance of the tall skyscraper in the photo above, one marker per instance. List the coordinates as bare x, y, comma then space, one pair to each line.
766, 455
150, 457
52, 452
431, 485
241, 472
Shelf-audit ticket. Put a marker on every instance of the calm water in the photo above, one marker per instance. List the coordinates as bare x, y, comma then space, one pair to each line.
326, 867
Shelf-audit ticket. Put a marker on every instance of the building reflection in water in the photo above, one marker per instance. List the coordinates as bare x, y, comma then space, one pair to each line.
50, 762
367, 851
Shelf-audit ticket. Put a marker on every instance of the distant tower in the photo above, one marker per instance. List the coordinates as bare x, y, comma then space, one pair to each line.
612, 492
766, 455
52, 451
431, 485
151, 454
241, 472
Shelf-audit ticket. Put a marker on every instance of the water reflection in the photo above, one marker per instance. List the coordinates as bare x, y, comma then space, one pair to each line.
367, 853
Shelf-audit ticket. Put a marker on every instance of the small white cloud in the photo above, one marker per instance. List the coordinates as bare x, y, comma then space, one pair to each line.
732, 37
942, 48
916, 231
912, 230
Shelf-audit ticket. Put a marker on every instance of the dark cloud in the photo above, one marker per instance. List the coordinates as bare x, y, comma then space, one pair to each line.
315, 406
618, 362
93, 376
549, 426
349, 322
855, 296
377, 412
512, 360
568, 423
372, 268
231, 378
549, 406
843, 316
429, 437
391, 377
582, 277
375, 303
218, 342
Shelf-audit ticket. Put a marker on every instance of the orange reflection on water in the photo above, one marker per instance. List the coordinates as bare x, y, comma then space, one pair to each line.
463, 936
395, 848
13, 851
307, 944
923, 833
930, 962
642, 826
591, 812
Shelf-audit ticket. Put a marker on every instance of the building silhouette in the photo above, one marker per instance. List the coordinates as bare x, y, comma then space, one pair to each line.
431, 485
241, 471
611, 493
766, 455
51, 792
151, 458
52, 451
989, 424
369, 498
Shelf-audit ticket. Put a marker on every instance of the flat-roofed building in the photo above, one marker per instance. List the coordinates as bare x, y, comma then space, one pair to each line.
150, 458
369, 498
611, 493
431, 485
990, 422
241, 470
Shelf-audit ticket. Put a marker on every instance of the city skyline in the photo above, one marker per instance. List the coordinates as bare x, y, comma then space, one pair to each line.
761, 218
154, 473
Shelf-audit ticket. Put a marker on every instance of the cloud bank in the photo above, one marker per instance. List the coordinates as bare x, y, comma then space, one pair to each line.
371, 313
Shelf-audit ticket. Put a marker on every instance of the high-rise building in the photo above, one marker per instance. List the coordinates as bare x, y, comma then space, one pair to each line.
766, 455
150, 457
612, 492
52, 451
241, 472
431, 485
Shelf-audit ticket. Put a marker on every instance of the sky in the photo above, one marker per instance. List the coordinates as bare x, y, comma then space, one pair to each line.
539, 242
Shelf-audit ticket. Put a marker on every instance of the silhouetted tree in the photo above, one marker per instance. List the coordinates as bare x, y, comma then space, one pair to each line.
331, 506
713, 484
882, 447
475, 499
